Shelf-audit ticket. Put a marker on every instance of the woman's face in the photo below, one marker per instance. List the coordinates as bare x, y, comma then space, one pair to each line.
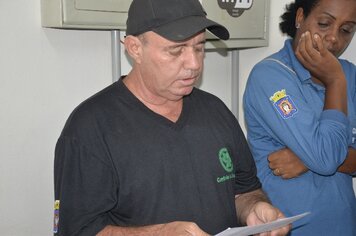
333, 20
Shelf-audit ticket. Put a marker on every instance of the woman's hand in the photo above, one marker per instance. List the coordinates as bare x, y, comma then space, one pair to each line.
324, 67
286, 164
317, 59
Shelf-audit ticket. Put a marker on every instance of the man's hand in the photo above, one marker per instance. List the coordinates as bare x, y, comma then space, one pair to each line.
286, 164
254, 208
264, 212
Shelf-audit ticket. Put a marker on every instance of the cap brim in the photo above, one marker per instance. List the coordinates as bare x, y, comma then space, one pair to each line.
182, 29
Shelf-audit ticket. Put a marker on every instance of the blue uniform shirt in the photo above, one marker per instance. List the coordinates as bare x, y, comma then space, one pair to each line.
284, 108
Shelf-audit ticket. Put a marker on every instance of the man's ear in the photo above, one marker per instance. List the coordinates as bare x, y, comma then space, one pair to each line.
133, 47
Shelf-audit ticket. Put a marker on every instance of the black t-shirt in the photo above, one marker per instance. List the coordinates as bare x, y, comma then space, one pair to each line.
119, 163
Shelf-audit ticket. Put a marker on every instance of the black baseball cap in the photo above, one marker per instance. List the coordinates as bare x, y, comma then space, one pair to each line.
176, 20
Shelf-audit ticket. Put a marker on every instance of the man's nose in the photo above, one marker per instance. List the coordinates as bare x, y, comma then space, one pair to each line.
192, 59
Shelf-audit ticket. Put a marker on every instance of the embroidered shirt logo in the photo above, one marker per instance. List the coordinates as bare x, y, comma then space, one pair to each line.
227, 164
225, 160
284, 104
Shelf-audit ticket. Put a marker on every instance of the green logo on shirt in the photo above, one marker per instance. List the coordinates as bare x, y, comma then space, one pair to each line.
225, 160
226, 163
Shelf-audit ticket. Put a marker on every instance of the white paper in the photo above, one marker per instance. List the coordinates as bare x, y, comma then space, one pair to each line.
250, 230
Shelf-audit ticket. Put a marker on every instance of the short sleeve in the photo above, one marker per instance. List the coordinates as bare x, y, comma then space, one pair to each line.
246, 173
84, 189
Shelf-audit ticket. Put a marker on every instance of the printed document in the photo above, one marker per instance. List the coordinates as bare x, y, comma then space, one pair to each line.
251, 230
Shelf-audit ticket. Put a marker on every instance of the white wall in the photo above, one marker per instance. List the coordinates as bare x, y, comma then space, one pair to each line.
44, 74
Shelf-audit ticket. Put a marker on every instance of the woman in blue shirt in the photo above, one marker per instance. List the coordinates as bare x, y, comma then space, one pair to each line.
300, 111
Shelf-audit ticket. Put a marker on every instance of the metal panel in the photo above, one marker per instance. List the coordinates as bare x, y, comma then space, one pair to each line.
85, 14
247, 20
103, 5
247, 24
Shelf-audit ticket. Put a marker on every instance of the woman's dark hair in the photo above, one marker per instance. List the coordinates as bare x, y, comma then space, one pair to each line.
287, 25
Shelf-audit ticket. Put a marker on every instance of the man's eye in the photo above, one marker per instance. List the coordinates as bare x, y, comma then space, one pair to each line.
199, 49
175, 51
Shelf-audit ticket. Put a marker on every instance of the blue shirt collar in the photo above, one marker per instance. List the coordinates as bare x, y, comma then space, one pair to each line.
302, 73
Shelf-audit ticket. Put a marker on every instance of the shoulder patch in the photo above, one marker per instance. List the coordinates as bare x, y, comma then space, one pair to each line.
284, 104
56, 216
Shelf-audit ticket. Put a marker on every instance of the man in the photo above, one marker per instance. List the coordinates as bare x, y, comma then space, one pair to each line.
151, 154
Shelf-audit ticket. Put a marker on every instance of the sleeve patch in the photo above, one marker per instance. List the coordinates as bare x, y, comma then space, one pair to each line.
56, 216
284, 104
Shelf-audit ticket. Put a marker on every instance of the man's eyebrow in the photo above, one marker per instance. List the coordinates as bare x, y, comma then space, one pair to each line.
176, 46
185, 44
202, 42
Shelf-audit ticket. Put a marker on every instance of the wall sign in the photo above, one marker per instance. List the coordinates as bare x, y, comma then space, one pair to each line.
235, 8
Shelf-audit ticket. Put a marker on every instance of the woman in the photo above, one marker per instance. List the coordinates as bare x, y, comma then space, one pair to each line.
300, 111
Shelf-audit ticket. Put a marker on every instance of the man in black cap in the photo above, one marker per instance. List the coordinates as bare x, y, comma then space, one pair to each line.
151, 154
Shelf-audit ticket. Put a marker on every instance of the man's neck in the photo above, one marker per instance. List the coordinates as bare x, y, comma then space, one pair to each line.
164, 107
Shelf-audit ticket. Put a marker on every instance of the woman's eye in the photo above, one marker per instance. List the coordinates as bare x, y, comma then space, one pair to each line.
348, 30
323, 25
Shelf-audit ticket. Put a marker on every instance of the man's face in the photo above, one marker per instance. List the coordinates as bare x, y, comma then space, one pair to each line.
334, 21
170, 69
